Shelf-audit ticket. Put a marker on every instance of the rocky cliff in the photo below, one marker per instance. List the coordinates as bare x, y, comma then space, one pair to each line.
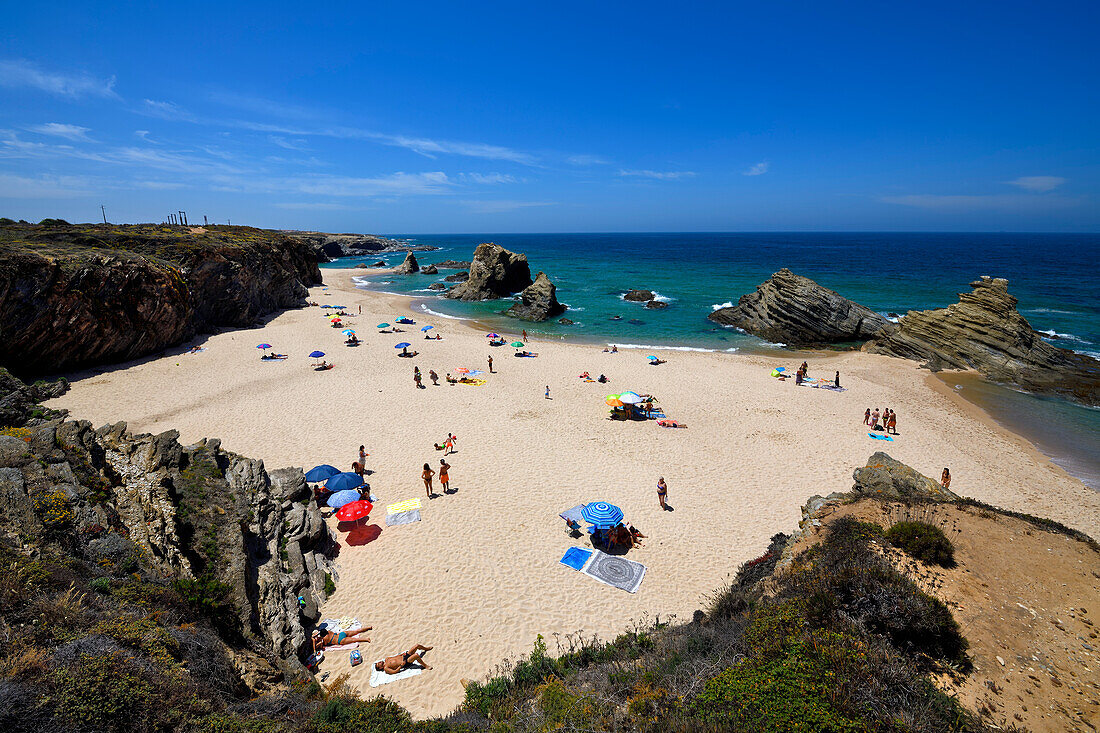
494, 273
77, 295
794, 310
331, 246
243, 545
538, 301
985, 332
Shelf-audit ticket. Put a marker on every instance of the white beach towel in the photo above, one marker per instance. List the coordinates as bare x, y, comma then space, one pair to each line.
378, 677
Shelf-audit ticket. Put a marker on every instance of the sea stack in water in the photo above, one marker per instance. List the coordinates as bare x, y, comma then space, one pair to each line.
494, 272
408, 267
794, 310
638, 296
429, 270
538, 301
985, 332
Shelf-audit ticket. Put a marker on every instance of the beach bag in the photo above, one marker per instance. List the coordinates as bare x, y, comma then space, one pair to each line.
356, 658
314, 660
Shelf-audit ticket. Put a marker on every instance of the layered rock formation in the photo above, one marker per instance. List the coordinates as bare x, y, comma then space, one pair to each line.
494, 273
237, 539
794, 310
538, 301
77, 295
408, 267
985, 332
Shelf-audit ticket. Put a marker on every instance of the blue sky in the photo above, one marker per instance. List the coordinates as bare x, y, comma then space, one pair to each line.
485, 117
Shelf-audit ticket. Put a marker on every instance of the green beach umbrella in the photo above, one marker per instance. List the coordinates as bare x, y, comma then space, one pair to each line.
383, 325
517, 344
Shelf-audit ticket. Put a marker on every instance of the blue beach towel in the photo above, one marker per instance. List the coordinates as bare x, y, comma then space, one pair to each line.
880, 437
575, 557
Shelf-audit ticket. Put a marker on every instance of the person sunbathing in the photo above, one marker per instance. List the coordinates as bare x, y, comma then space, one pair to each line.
636, 537
330, 638
655, 362
585, 376
393, 665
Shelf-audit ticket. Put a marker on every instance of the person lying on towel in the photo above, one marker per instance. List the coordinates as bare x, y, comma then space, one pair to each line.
329, 638
393, 665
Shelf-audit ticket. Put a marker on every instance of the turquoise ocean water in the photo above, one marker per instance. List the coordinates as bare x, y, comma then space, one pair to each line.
1056, 278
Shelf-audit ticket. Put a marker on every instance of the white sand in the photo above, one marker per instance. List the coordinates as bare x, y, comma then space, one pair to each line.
479, 577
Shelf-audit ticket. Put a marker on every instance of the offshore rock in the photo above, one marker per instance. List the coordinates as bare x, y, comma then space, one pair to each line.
985, 332
638, 296
654, 304
429, 270
794, 310
452, 265
538, 301
437, 286
408, 267
458, 277
494, 273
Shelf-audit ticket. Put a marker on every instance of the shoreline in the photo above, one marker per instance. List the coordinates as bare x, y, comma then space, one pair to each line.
463, 578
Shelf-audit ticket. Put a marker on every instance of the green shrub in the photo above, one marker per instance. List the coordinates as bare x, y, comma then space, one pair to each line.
353, 715
206, 595
924, 542
330, 586
101, 585
101, 693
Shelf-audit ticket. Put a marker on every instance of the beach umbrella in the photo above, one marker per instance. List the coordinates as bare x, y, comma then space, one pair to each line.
492, 335
427, 328
630, 398
613, 400
403, 345
342, 498
383, 325
317, 474
348, 332
265, 347
316, 354
341, 481
517, 344
462, 370
652, 358
326, 306
601, 514
354, 511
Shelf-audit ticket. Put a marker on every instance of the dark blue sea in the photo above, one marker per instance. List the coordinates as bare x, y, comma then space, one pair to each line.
1056, 278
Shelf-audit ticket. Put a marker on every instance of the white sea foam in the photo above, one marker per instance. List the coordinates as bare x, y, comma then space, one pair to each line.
1062, 336
571, 308
662, 298
658, 347
1047, 310
428, 310
720, 306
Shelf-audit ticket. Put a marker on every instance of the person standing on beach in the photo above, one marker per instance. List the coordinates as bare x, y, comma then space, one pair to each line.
525, 335
434, 377
867, 417
836, 381
449, 444
548, 391
362, 455
892, 423
945, 479
444, 476
662, 493
427, 476
874, 419
490, 363
416, 377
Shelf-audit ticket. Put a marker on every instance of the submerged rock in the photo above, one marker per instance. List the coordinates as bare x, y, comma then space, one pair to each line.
565, 322
794, 310
638, 296
985, 332
538, 301
408, 267
495, 272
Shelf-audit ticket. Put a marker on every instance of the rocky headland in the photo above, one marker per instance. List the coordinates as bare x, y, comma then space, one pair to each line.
538, 301
494, 273
77, 295
985, 332
796, 311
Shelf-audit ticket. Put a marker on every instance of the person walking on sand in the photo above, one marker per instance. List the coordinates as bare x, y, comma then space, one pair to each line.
525, 335
434, 377
548, 391
449, 444
867, 417
662, 493
490, 363
945, 479
444, 476
427, 476
416, 377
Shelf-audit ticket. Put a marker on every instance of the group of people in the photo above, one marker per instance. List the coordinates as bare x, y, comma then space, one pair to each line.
322, 638
886, 420
444, 477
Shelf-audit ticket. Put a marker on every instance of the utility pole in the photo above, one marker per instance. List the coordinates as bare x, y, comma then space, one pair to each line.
204, 219
103, 209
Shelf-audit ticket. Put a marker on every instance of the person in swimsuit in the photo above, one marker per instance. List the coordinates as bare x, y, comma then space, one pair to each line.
393, 665
362, 455
662, 493
490, 363
874, 420
427, 476
434, 377
805, 369
525, 334
444, 478
449, 444
836, 380
945, 479
330, 638
892, 423
867, 417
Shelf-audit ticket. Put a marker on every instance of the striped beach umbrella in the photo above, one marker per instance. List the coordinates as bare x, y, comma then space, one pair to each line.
601, 514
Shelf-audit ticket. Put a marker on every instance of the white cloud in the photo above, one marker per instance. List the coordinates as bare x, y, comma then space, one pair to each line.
501, 207
584, 159
658, 175
44, 187
282, 142
76, 133
757, 170
965, 203
489, 178
22, 73
166, 111
1038, 183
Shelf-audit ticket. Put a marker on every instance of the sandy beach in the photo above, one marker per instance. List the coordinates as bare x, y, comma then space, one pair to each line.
478, 578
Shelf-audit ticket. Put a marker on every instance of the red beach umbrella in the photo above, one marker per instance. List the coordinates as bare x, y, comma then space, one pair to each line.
354, 511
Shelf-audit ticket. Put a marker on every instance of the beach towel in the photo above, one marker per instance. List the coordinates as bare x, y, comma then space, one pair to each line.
396, 518
403, 506
880, 437
615, 571
576, 557
573, 514
378, 677
196, 351
341, 647
338, 625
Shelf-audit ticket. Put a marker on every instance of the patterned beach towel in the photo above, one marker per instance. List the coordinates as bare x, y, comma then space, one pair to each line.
615, 571
403, 506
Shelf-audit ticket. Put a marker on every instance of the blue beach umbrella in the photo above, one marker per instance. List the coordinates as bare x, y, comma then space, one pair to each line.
383, 325
316, 354
427, 328
346, 480
403, 345
326, 306
265, 347
348, 332
317, 474
492, 335
340, 498
601, 514
652, 358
